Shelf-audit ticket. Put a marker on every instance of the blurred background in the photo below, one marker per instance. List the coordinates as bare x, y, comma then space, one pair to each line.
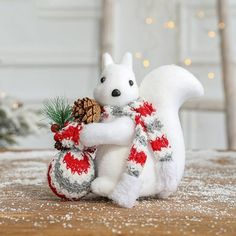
52, 48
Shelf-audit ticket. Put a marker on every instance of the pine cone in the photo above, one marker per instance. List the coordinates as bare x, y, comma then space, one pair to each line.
86, 111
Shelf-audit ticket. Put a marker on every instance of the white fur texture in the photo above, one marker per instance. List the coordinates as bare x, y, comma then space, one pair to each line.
167, 88
118, 132
117, 77
126, 191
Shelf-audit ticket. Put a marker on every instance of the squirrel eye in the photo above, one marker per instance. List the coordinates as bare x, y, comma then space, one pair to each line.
131, 82
103, 79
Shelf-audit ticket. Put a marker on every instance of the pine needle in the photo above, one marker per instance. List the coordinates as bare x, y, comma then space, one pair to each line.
57, 110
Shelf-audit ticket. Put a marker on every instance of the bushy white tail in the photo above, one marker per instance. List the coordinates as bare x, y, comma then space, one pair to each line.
168, 87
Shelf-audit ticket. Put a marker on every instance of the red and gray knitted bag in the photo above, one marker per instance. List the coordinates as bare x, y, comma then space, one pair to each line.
71, 172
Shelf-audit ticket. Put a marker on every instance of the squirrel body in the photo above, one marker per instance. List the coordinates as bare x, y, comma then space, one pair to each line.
166, 88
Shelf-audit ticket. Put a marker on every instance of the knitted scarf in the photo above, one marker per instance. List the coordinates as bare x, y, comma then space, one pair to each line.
149, 132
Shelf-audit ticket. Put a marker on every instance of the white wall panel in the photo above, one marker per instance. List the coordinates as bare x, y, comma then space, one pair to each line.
194, 40
48, 48
203, 129
51, 47
28, 39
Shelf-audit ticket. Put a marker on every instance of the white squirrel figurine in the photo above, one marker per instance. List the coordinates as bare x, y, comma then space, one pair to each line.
167, 88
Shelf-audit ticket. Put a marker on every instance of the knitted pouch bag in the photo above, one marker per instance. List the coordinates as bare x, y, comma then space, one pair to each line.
71, 171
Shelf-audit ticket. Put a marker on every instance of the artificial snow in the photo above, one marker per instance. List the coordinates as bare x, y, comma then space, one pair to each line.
208, 189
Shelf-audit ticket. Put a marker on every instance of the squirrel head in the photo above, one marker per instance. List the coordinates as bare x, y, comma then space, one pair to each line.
117, 85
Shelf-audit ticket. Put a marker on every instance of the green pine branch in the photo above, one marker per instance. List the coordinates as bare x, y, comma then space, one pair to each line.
57, 110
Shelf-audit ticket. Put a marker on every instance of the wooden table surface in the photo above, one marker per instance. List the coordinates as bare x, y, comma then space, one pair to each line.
203, 205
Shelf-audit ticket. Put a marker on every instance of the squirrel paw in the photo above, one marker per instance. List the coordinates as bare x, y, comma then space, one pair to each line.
168, 188
167, 181
164, 194
88, 135
102, 186
126, 191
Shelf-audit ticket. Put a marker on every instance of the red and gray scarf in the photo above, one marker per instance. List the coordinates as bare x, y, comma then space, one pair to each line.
149, 132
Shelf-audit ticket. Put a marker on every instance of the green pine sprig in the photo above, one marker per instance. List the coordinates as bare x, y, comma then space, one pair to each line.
57, 110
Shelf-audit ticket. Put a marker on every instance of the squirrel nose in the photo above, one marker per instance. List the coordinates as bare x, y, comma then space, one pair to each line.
116, 93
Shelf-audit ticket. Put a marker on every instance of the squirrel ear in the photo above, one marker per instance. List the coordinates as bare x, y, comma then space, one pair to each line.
106, 60
127, 60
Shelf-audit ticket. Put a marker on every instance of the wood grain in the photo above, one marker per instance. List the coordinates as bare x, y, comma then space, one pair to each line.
226, 48
203, 205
